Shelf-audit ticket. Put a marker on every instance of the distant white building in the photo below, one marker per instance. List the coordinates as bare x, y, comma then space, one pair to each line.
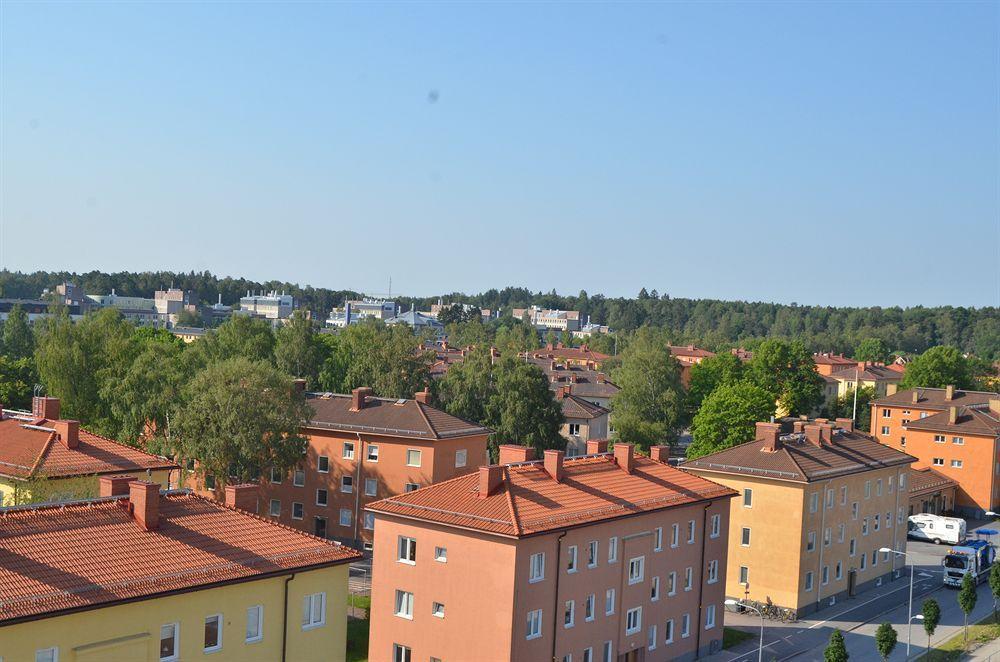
138, 310
544, 319
356, 311
417, 321
272, 306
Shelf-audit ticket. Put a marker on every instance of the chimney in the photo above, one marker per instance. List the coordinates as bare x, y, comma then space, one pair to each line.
949, 392
814, 434
299, 385
846, 424
490, 478
114, 485
45, 407
769, 432
242, 497
659, 453
995, 407
625, 457
916, 396
565, 391
572, 378
69, 432
145, 503
554, 464
601, 378
423, 396
862, 365
513, 453
821, 420
552, 365
827, 433
798, 427
890, 389
358, 397
952, 415
595, 446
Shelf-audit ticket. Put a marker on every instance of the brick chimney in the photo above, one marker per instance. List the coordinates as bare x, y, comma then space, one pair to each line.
862, 365
890, 389
995, 407
798, 427
69, 432
423, 396
949, 392
814, 434
625, 457
846, 424
554, 464
490, 478
565, 391
145, 503
827, 436
242, 497
952, 414
114, 485
359, 396
769, 432
601, 378
514, 453
45, 407
659, 453
595, 446
916, 395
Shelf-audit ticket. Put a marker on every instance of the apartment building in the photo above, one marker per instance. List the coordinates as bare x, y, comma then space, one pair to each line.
865, 374
688, 356
817, 501
600, 558
931, 492
828, 363
47, 458
545, 319
586, 381
270, 305
583, 422
141, 575
357, 311
582, 356
953, 431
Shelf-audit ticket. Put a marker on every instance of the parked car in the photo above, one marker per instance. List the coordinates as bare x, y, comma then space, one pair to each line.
936, 529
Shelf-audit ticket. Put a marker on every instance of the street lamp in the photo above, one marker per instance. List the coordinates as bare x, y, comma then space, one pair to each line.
909, 610
736, 603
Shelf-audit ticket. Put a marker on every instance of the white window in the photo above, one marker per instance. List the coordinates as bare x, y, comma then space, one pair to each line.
672, 583
213, 633
710, 617
461, 456
811, 541
275, 509
809, 580
401, 653
413, 457
592, 554
654, 591
864, 527
958, 441
937, 461
534, 624
878, 487
636, 569
886, 413
744, 574
169, 644
841, 532
853, 547
713, 572
839, 572
437, 609
441, 554
348, 450
347, 484
939, 439
814, 502
658, 539
825, 575
537, 572
589, 606
843, 495
407, 550
371, 487
613, 549
569, 614
877, 520
691, 530
409, 487
868, 489
651, 638
299, 478
745, 536
346, 517
313, 610
255, 623
827, 537
276, 476
892, 482
633, 620
716, 526
404, 604
685, 625
607, 651
675, 535
864, 560
609, 602
298, 510
747, 497
321, 497
885, 429
323, 464
956, 464
574, 429
854, 510
373, 453
48, 655
829, 499
571, 558
669, 629
370, 521
588, 655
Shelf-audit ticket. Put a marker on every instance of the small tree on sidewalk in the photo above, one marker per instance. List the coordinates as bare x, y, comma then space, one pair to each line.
995, 587
932, 616
836, 651
967, 601
885, 640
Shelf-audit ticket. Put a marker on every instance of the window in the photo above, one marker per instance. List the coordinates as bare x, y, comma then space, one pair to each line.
825, 575
853, 547
710, 617
958, 441
347, 484
651, 638
829, 499
372, 453
636, 569
461, 456
569, 613
409, 487
401, 654
874, 558
607, 651
843, 495
313, 610
275, 509
213, 633
574, 429
209, 482
321, 497
745, 536
323, 464
688, 579
956, 464
809, 581
407, 550
413, 457
255, 623
669, 629
537, 572
348, 450
902, 441
588, 655
811, 541
938, 461
685, 625
878, 487
691, 529
939, 439
716, 526
404, 604
658, 539
713, 572
437, 609
891, 483
864, 527
672, 583
441, 554
675, 535
371, 487
297, 510
877, 520
369, 521
613, 549
169, 644
864, 561
814, 502
609, 602
47, 655
839, 572
854, 510
747, 497
885, 429
744, 574
827, 537
633, 620
299, 478
534, 624
886, 413
571, 554
589, 606
868, 489
275, 476
346, 517
592, 554
654, 591
841, 532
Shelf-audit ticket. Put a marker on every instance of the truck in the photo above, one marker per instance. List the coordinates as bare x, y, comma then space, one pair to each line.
936, 529
975, 557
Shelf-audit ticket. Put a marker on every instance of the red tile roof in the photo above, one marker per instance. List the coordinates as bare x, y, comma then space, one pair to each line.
528, 501
385, 416
30, 448
833, 359
88, 554
934, 398
690, 351
928, 480
871, 373
967, 421
575, 353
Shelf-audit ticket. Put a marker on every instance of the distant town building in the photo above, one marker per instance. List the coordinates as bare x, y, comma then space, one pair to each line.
827, 363
436, 309
189, 333
588, 329
545, 319
138, 310
599, 557
688, 356
356, 311
865, 374
36, 309
417, 321
582, 356
271, 306
584, 421
217, 313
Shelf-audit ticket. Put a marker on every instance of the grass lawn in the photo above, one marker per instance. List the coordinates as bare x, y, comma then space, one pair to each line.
732, 636
982, 632
360, 601
357, 630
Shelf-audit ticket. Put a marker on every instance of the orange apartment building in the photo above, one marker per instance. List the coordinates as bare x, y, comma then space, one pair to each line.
581, 356
688, 356
953, 431
599, 558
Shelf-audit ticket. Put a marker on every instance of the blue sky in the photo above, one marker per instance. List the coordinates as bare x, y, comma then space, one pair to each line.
841, 153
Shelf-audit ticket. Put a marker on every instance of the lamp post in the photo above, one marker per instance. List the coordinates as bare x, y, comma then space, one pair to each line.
909, 609
737, 603
915, 617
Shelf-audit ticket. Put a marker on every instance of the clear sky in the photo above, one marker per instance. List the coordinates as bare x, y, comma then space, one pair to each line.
840, 153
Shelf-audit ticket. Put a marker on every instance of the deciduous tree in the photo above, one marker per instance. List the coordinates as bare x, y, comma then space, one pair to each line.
967, 598
297, 352
650, 406
938, 367
728, 417
836, 650
787, 371
931, 611
18, 341
704, 377
885, 640
871, 349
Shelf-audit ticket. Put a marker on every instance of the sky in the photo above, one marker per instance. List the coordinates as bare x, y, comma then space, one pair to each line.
818, 153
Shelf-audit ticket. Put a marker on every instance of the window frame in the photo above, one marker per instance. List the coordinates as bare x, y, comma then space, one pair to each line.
259, 609
176, 655
218, 633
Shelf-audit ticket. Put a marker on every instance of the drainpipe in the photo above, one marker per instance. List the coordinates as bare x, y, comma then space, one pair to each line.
701, 579
284, 619
357, 485
555, 605
822, 542
895, 516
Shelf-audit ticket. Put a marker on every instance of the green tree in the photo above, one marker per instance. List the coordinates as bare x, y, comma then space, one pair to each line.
787, 371
238, 418
243, 336
516, 336
297, 352
463, 334
704, 377
932, 616
967, 598
142, 399
995, 586
885, 640
18, 341
17, 382
649, 409
836, 650
938, 367
728, 417
190, 318
386, 358
843, 407
871, 349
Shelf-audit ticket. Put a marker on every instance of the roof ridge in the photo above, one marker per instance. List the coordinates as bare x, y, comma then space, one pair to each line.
791, 457
515, 522
427, 420
41, 455
124, 445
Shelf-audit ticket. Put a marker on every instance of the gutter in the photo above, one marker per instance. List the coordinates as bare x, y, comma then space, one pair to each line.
822, 542
701, 579
284, 619
555, 606
357, 485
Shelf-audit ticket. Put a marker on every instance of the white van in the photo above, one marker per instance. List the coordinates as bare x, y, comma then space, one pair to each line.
936, 529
